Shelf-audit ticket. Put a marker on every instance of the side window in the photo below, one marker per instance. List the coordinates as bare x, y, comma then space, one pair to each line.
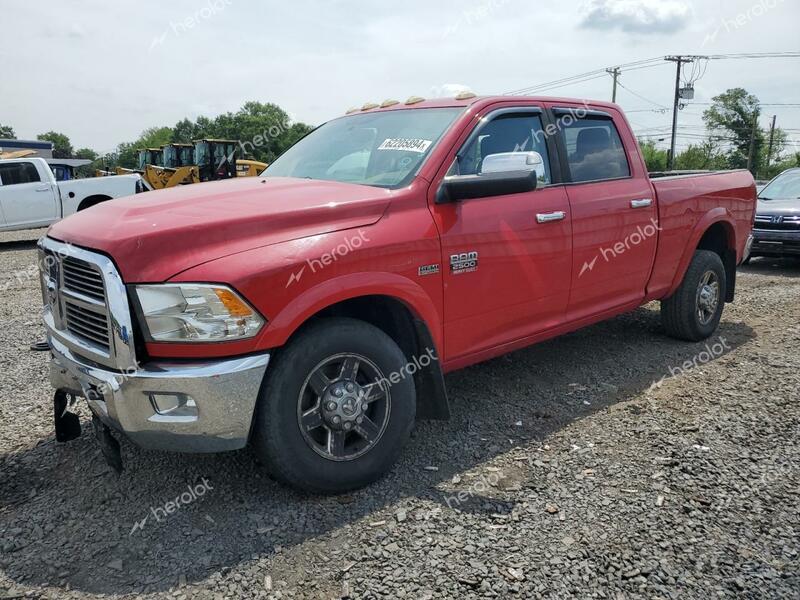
594, 149
506, 133
16, 173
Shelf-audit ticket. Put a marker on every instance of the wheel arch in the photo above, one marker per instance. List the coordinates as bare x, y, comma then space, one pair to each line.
405, 313
714, 232
90, 201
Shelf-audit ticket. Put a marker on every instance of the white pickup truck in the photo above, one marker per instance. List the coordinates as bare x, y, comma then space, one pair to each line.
31, 197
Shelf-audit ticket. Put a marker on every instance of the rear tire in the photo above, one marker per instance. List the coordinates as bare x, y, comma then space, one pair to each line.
323, 425
693, 312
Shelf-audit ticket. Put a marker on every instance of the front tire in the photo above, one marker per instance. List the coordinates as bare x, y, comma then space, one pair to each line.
336, 409
693, 312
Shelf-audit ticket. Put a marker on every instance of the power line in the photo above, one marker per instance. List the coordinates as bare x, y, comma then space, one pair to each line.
642, 97
747, 55
589, 75
647, 64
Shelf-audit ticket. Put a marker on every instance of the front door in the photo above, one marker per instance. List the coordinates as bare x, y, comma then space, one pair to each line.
507, 259
25, 198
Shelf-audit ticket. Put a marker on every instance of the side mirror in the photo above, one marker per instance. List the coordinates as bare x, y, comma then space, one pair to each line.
513, 161
501, 174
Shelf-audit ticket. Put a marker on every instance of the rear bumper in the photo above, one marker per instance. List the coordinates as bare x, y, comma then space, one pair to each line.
775, 243
183, 407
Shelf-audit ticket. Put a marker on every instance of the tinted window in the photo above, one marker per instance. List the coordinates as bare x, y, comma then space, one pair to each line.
594, 149
16, 173
506, 133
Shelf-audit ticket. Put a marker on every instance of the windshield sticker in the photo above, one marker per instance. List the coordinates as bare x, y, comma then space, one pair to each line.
405, 144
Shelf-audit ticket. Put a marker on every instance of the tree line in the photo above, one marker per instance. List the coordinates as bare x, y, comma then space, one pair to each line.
264, 130
735, 140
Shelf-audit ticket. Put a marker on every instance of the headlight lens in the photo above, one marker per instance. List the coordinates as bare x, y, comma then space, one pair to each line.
196, 312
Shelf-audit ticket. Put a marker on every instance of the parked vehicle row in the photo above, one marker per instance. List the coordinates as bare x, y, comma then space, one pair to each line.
312, 311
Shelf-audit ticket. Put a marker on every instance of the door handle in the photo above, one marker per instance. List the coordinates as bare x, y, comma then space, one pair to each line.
553, 216
642, 203
44, 188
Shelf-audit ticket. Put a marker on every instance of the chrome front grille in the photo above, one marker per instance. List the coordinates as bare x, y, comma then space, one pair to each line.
86, 304
87, 324
777, 222
83, 278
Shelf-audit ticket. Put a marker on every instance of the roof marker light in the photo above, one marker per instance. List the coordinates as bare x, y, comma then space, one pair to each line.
387, 103
369, 106
415, 100
466, 95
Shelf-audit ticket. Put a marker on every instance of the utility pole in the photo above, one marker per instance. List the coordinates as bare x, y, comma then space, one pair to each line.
680, 60
751, 153
615, 73
771, 139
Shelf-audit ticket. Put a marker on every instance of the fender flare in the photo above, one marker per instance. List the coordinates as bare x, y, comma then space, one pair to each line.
92, 200
432, 398
712, 217
355, 285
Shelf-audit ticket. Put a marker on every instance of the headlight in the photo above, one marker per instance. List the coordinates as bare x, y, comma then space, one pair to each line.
196, 312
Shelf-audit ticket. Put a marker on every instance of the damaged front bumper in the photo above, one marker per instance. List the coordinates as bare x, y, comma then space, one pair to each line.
187, 406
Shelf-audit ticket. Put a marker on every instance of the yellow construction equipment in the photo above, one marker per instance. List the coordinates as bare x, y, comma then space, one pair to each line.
183, 164
178, 167
249, 168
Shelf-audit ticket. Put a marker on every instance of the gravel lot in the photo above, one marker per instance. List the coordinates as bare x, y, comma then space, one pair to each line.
594, 465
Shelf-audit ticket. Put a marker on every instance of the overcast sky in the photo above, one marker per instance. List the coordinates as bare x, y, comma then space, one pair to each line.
102, 71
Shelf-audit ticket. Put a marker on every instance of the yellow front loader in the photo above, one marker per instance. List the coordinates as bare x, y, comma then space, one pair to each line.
185, 164
249, 168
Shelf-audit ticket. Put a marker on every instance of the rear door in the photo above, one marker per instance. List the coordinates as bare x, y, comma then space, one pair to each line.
614, 213
26, 199
506, 260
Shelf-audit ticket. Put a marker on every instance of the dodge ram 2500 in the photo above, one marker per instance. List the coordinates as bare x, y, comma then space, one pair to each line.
30, 195
312, 311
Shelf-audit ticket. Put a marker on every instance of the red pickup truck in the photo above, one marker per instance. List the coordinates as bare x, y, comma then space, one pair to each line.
313, 310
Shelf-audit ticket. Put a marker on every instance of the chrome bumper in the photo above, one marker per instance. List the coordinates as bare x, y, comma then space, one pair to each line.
193, 406
748, 247
776, 242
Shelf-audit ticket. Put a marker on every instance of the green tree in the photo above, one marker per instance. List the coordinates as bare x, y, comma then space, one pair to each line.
731, 118
703, 156
777, 167
90, 154
86, 153
264, 130
7, 132
126, 153
62, 147
654, 158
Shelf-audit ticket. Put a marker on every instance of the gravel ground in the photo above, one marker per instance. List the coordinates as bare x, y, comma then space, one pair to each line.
594, 466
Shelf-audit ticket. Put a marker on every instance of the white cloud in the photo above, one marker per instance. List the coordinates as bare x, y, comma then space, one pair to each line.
637, 16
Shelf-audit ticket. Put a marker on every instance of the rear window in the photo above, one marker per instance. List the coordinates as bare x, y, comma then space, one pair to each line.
17, 173
594, 148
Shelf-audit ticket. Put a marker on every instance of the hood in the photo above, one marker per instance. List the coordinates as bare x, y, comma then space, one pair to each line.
155, 235
788, 206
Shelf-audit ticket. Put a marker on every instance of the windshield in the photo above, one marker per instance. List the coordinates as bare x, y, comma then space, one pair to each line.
383, 149
784, 186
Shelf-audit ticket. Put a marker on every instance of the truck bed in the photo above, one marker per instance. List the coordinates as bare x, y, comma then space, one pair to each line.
688, 203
